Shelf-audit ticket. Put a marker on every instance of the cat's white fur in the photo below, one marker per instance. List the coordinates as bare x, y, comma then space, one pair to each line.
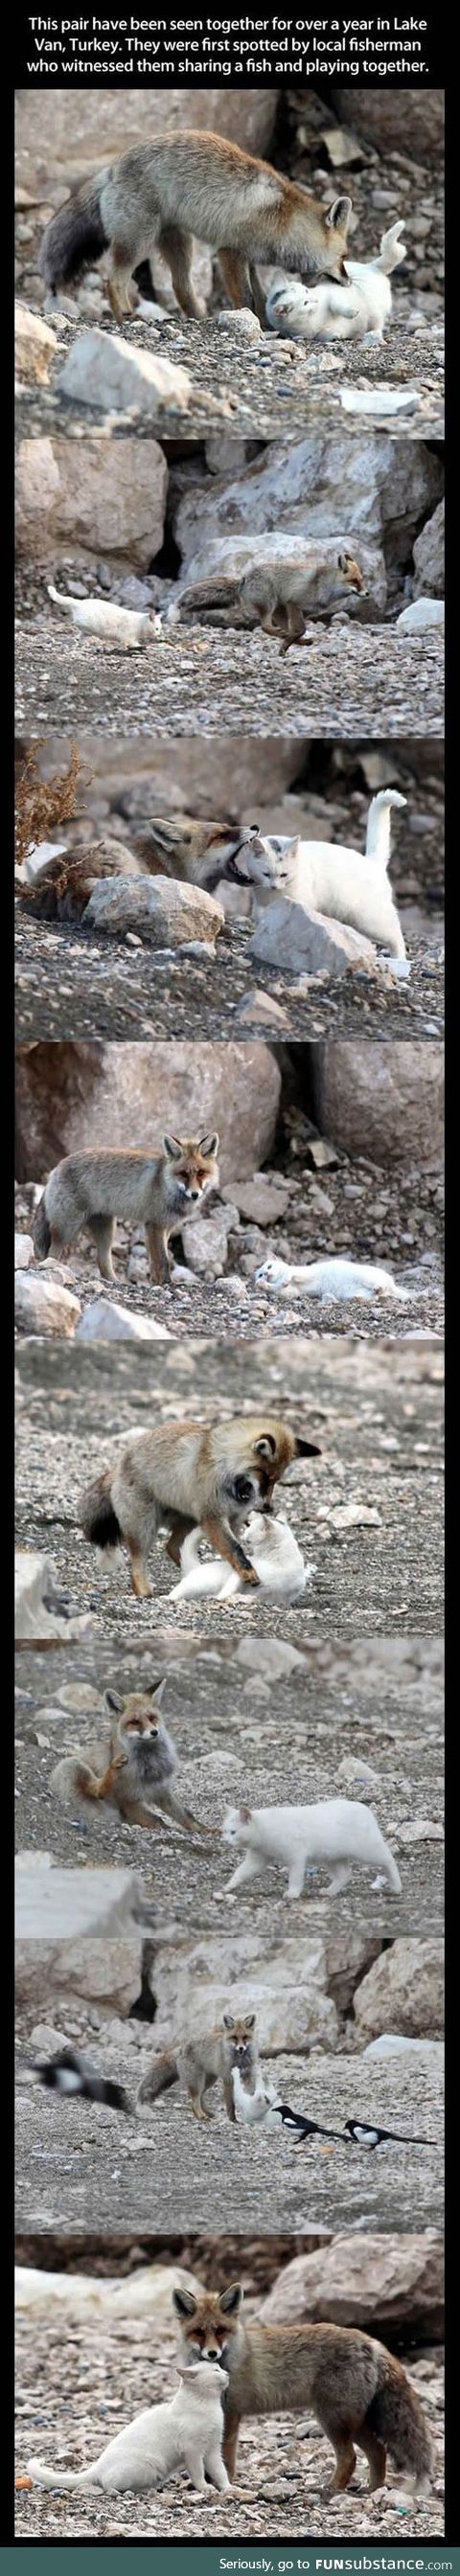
127, 627
326, 876
336, 1278
272, 1549
339, 1831
260, 2108
349, 312
183, 2433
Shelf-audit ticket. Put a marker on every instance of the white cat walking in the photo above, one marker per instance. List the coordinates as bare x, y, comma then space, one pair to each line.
184, 2433
272, 1550
338, 1831
326, 876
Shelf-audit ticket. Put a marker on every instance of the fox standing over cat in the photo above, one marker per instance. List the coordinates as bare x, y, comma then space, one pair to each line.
357, 2390
160, 195
190, 1475
207, 2058
156, 1191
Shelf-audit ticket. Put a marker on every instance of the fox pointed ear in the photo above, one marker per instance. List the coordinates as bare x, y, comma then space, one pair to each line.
208, 1144
227, 2018
172, 1147
157, 1691
249, 2021
338, 215
114, 1702
307, 1448
184, 2303
232, 2299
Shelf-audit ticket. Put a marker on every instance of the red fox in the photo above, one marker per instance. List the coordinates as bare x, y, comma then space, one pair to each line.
155, 1190
206, 2058
161, 195
357, 2390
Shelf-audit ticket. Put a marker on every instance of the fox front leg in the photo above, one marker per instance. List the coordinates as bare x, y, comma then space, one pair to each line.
158, 1256
220, 1536
171, 1806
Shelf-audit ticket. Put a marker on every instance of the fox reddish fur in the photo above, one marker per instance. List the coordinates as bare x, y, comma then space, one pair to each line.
190, 1475
91, 1190
358, 2391
161, 195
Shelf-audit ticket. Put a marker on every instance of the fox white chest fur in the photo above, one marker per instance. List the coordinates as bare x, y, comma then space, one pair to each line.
186, 2433
338, 1831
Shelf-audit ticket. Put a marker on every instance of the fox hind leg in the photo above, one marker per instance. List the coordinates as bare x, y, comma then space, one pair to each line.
375, 2453
101, 1229
177, 247
119, 273
345, 2463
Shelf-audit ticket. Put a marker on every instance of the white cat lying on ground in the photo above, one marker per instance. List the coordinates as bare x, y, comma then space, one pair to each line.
127, 627
273, 1551
335, 1830
184, 2433
340, 312
336, 1278
326, 876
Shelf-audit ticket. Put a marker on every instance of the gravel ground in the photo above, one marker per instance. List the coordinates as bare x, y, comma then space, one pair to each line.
232, 1307
75, 2160
255, 387
375, 1409
71, 2405
69, 983
231, 1739
371, 679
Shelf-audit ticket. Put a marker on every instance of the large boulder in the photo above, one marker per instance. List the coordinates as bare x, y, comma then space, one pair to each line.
376, 117
313, 487
67, 499
87, 2295
403, 1991
41, 1306
386, 1103
310, 556
381, 2283
163, 911
79, 129
72, 1098
429, 555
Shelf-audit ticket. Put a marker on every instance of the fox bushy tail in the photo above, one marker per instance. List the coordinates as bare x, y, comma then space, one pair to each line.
160, 2077
397, 2418
41, 1230
75, 238
98, 1519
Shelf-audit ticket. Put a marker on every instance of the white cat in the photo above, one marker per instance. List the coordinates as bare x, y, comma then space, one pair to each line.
184, 2433
262, 2107
326, 876
340, 312
336, 1830
127, 627
272, 1549
335, 1278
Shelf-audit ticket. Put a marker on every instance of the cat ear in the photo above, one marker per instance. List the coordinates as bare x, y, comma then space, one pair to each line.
265, 1448
232, 2299
338, 215
249, 2020
307, 1449
208, 1144
245, 1815
113, 1701
184, 2303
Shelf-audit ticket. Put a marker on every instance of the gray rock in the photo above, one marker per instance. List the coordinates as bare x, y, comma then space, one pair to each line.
42, 1307
429, 555
166, 912
114, 375
292, 939
34, 346
421, 612
106, 1322
23, 1251
404, 1989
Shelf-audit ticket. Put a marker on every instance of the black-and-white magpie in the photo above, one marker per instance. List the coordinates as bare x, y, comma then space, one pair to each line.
70, 2074
363, 2134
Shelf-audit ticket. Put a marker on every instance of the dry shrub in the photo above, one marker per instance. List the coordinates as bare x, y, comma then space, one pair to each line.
41, 804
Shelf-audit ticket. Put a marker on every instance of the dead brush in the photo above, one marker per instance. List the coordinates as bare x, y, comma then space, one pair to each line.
42, 804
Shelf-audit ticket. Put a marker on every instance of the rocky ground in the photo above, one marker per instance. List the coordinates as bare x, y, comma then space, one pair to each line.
75, 2159
375, 1408
348, 679
283, 2465
71, 982
250, 381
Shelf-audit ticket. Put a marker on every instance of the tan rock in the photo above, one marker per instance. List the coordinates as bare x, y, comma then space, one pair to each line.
73, 1098
81, 128
166, 913
34, 346
302, 942
112, 374
386, 1103
378, 2282
41, 1306
403, 1991
67, 499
